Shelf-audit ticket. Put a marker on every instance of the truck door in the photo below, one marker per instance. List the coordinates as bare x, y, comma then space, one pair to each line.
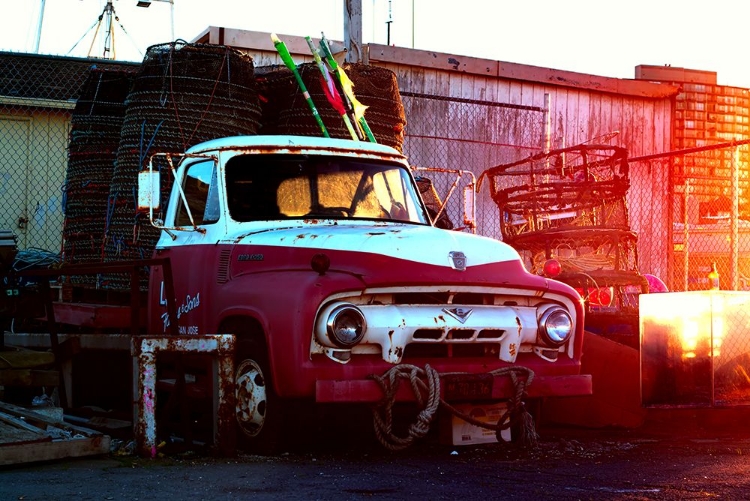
192, 245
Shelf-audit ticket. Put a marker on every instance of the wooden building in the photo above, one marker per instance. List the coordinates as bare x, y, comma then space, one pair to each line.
469, 114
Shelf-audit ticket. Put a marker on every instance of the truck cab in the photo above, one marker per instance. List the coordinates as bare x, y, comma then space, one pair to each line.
320, 256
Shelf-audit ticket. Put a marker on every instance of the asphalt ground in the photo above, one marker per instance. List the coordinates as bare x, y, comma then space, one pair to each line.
677, 454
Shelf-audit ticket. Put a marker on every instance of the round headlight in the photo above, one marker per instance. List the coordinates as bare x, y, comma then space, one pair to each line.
346, 326
555, 326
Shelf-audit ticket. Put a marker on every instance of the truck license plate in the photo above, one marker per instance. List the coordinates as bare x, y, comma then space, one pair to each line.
467, 386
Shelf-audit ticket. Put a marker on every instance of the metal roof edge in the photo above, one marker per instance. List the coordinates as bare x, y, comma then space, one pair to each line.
37, 102
517, 71
377, 53
56, 57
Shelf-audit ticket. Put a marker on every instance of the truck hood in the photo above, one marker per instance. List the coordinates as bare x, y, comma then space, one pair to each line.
421, 244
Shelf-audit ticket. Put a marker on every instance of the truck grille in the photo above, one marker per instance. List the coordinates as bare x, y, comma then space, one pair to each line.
457, 334
438, 323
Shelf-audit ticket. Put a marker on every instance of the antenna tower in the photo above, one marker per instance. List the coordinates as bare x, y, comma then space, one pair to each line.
105, 24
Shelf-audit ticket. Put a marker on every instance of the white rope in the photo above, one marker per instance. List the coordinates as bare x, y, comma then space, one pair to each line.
425, 385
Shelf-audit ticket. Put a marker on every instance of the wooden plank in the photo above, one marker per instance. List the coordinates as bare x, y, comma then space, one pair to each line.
596, 127
19, 424
430, 59
486, 89
616, 120
95, 315
606, 116
29, 377
570, 79
571, 115
559, 119
42, 420
516, 93
585, 126
25, 359
455, 82
12, 434
117, 342
27, 436
56, 449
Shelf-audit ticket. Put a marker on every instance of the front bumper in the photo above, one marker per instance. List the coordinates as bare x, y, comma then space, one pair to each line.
369, 391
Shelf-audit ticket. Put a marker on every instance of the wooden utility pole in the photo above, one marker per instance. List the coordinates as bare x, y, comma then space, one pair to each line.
353, 32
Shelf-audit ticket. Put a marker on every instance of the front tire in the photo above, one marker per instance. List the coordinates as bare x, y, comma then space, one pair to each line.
258, 411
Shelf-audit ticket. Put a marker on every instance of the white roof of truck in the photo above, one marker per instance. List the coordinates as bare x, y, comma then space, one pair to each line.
301, 144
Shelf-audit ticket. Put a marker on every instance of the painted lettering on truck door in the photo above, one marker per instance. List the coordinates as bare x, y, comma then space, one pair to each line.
195, 219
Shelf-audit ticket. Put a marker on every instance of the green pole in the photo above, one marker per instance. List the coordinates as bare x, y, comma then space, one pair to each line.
289, 62
331, 92
345, 86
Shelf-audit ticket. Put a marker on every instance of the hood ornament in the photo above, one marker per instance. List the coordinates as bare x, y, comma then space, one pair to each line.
460, 314
458, 260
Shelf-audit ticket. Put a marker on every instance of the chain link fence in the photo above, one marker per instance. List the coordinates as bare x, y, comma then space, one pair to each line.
708, 221
690, 209
449, 140
453, 140
37, 98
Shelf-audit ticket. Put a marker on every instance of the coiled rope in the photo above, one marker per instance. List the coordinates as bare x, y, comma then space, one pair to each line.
425, 384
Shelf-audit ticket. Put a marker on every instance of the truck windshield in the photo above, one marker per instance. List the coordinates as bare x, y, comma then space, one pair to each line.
265, 187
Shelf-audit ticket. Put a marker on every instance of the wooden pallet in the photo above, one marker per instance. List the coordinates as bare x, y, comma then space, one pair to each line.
29, 436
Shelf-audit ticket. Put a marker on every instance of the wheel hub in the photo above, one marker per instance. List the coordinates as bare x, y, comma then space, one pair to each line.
251, 397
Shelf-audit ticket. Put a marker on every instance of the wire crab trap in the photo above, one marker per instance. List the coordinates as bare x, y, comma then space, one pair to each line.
182, 95
565, 212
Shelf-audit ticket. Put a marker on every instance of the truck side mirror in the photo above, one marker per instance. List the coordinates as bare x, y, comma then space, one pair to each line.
149, 188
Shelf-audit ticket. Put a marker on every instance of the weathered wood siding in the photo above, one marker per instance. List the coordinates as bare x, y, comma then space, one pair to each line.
636, 115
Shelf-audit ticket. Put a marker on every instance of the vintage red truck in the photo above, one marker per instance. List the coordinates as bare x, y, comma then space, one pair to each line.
320, 256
